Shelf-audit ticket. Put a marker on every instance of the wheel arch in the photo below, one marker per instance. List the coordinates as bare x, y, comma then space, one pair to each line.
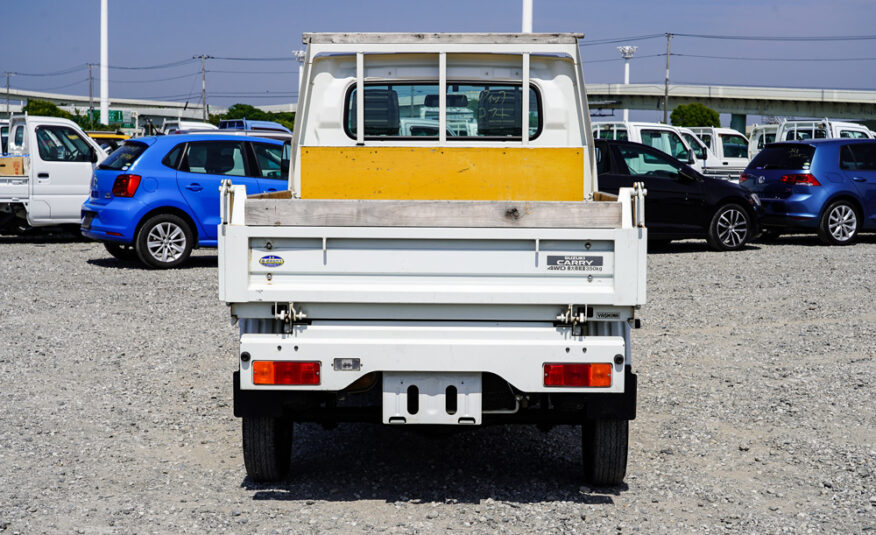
842, 196
170, 210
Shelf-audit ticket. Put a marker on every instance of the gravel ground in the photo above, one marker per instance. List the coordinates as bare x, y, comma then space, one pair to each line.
756, 412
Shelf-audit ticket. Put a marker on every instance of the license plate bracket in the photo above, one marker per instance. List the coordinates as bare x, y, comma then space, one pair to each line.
432, 398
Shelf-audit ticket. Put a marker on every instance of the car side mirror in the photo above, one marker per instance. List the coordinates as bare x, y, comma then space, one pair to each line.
93, 156
691, 158
284, 167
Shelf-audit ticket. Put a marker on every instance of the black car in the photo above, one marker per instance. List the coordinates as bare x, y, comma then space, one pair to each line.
680, 203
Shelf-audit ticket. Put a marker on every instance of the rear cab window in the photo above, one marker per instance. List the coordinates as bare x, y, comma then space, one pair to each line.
124, 157
474, 111
735, 146
784, 156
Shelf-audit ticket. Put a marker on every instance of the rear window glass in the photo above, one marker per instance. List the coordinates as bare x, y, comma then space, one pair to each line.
473, 111
123, 157
792, 157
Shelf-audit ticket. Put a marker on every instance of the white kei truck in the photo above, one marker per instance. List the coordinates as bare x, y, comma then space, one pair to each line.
46, 175
443, 279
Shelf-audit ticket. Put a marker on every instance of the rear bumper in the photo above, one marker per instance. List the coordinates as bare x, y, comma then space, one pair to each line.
333, 407
109, 223
800, 210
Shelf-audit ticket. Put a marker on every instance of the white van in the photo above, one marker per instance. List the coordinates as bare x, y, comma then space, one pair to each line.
660, 136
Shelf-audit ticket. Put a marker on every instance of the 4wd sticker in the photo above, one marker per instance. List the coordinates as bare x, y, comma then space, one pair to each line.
574, 263
271, 261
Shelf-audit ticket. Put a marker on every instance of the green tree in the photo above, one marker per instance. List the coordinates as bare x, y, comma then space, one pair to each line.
46, 109
695, 114
49, 109
246, 111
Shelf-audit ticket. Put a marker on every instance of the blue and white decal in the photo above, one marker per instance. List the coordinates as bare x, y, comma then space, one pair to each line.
271, 261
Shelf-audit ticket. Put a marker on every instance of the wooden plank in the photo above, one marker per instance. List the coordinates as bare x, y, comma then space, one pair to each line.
454, 38
453, 214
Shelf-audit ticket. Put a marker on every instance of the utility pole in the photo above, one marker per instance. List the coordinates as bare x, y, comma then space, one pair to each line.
527, 16
90, 94
104, 63
204, 58
666, 85
627, 53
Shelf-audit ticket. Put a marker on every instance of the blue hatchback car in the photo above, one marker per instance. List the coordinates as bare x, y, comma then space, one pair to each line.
156, 198
827, 186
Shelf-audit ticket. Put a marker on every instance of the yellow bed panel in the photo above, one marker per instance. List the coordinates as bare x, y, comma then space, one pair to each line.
449, 173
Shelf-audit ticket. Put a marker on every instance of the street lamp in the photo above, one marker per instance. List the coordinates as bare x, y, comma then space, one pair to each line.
627, 53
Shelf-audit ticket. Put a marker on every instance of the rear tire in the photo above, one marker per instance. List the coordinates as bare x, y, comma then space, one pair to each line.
604, 445
164, 241
122, 251
730, 228
267, 447
839, 224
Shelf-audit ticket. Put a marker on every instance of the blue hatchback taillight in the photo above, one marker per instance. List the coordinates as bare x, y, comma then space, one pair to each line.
126, 185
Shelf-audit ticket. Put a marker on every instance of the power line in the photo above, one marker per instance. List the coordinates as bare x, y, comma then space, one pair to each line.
614, 40
157, 79
252, 72
779, 38
71, 70
57, 87
282, 58
620, 59
150, 67
699, 56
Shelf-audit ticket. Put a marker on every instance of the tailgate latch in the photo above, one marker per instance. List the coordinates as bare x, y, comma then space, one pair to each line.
286, 313
571, 317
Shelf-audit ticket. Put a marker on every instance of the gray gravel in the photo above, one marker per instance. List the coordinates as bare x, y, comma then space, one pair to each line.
756, 412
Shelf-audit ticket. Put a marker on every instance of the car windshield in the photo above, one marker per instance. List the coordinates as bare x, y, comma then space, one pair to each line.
793, 157
123, 157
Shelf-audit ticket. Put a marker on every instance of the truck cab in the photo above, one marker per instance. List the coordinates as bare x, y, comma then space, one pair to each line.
821, 129
660, 136
467, 274
46, 175
728, 145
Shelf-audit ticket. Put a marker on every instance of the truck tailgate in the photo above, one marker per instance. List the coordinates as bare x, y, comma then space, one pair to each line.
432, 252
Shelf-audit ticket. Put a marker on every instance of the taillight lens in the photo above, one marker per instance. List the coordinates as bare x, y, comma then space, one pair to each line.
593, 375
271, 372
801, 180
743, 177
126, 185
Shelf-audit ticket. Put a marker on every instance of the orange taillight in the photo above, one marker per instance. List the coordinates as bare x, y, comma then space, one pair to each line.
591, 375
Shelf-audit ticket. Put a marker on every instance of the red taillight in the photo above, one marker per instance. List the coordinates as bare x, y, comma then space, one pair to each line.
126, 185
272, 372
594, 375
743, 177
801, 180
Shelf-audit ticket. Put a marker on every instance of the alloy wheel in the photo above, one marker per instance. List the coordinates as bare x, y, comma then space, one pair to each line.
842, 222
166, 242
732, 227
